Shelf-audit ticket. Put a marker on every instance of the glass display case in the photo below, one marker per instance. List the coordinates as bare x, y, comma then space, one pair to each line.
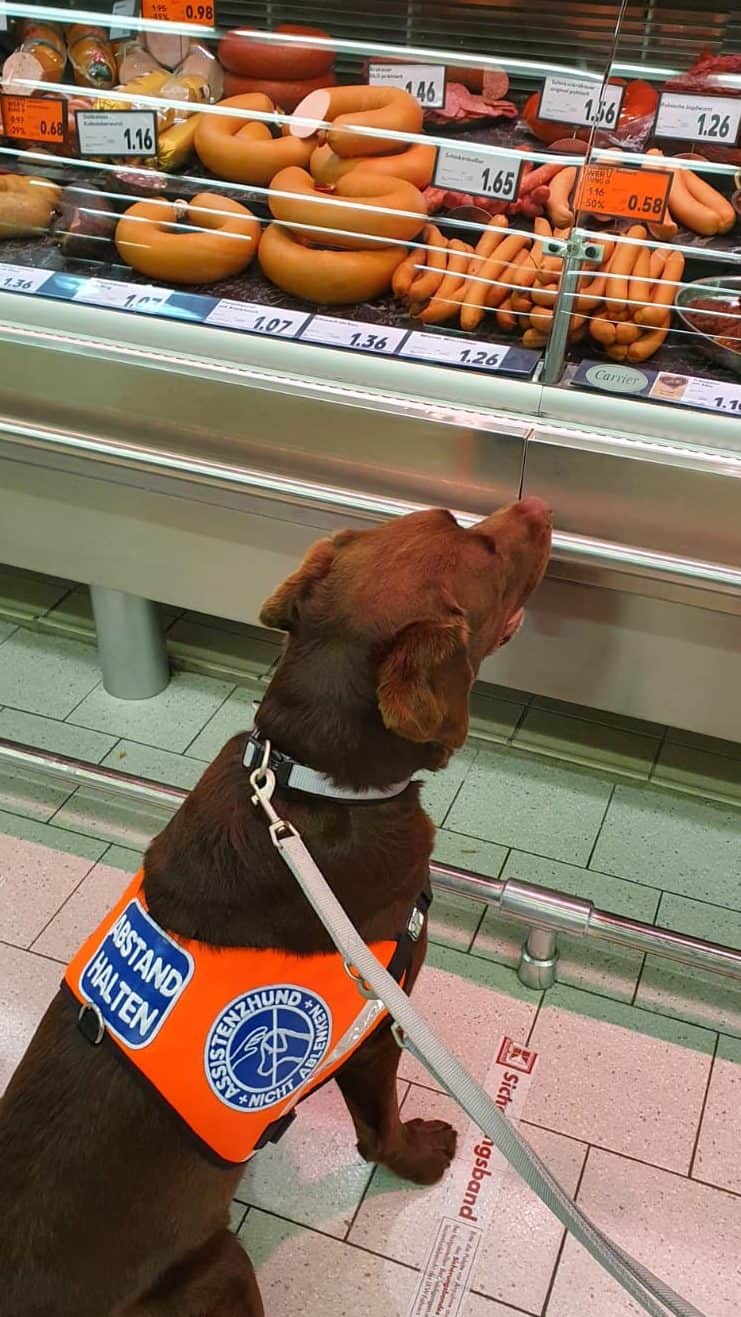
338, 262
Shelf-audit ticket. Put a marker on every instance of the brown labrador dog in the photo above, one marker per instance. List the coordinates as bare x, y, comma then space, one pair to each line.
107, 1209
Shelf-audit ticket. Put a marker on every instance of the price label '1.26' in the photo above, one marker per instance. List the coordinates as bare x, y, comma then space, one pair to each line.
180, 11
117, 132
484, 174
424, 81
34, 118
580, 101
698, 118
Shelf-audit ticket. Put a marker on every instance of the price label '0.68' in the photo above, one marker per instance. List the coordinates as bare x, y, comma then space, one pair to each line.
179, 11
484, 174
698, 118
34, 118
117, 132
639, 194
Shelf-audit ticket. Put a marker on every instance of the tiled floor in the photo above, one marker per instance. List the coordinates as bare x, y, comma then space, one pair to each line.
636, 1102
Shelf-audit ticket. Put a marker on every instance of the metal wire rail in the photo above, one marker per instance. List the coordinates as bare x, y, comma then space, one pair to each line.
546, 911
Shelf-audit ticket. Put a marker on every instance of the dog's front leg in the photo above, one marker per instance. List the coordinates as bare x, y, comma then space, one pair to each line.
417, 1150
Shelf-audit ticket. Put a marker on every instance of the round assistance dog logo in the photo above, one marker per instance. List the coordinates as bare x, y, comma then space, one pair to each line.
265, 1044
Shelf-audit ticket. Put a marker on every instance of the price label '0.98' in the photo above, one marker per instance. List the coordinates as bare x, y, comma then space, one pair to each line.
484, 174
117, 132
637, 194
698, 118
426, 82
179, 11
34, 118
580, 101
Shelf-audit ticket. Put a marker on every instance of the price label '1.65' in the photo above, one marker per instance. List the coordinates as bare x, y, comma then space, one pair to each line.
580, 101
117, 132
481, 174
424, 81
698, 118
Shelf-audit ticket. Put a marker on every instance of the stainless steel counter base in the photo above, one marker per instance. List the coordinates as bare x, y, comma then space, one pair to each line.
194, 466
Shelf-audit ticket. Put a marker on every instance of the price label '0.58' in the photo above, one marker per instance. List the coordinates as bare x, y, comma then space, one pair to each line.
117, 132
638, 194
180, 11
34, 118
484, 174
698, 118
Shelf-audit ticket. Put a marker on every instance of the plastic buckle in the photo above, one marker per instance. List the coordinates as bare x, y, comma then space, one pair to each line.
415, 924
362, 986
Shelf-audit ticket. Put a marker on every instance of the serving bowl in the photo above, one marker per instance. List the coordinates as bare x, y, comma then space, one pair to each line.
720, 288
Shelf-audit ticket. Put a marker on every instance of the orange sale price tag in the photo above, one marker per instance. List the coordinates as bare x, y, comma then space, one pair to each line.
613, 191
34, 118
180, 11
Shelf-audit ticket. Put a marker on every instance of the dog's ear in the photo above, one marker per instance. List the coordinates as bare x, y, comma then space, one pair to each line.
425, 681
279, 611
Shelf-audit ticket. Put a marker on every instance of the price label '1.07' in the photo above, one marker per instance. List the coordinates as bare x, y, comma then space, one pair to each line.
481, 174
117, 132
256, 318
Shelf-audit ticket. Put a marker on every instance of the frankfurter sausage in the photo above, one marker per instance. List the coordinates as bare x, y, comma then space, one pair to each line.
326, 278
246, 51
480, 292
243, 151
559, 211
286, 95
448, 297
714, 200
380, 109
406, 271
220, 240
435, 257
663, 293
416, 165
364, 210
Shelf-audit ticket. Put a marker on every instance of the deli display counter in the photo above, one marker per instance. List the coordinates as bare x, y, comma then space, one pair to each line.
267, 269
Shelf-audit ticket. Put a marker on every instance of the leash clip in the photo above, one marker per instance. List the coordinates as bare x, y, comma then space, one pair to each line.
262, 781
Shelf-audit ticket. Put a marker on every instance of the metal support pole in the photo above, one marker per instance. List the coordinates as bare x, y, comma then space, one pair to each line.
545, 910
131, 647
538, 959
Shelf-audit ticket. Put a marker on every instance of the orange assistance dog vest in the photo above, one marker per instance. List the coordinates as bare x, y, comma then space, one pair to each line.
231, 1038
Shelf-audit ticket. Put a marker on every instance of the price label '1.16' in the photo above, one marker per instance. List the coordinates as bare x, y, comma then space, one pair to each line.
637, 194
34, 118
426, 82
481, 174
117, 132
179, 11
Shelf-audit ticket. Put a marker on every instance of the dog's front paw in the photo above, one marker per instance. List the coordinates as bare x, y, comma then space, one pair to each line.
425, 1151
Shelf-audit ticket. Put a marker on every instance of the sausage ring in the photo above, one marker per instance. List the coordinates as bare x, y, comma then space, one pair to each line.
220, 240
326, 278
362, 210
26, 205
241, 150
286, 93
384, 109
242, 51
416, 164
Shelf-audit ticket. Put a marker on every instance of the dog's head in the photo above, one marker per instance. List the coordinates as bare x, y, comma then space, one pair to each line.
419, 602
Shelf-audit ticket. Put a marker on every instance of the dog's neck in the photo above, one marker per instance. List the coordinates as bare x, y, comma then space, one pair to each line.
321, 709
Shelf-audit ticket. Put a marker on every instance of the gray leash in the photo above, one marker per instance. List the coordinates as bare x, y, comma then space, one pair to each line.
413, 1033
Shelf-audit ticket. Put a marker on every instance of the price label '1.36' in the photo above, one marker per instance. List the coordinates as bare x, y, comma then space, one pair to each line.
34, 118
481, 174
117, 132
180, 11
637, 194
698, 118
357, 334
424, 81
581, 102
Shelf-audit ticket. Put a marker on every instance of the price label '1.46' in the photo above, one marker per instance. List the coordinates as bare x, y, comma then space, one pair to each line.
424, 81
580, 101
117, 132
698, 118
481, 174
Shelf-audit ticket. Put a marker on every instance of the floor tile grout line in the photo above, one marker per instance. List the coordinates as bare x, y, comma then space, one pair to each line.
68, 897
639, 977
29, 951
657, 756
344, 1243
610, 799
477, 929
209, 720
701, 1118
564, 1237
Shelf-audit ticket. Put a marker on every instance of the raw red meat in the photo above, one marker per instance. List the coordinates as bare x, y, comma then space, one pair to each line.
464, 106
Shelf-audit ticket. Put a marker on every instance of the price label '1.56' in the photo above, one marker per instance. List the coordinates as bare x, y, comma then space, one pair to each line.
579, 101
424, 81
481, 174
117, 132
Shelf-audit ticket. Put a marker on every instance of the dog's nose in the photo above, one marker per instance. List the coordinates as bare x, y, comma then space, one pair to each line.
535, 509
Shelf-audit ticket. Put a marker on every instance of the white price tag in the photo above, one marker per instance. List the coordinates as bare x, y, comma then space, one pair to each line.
357, 334
127, 9
698, 118
482, 174
117, 132
580, 101
256, 318
692, 391
21, 279
124, 296
473, 354
3, 18
424, 81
